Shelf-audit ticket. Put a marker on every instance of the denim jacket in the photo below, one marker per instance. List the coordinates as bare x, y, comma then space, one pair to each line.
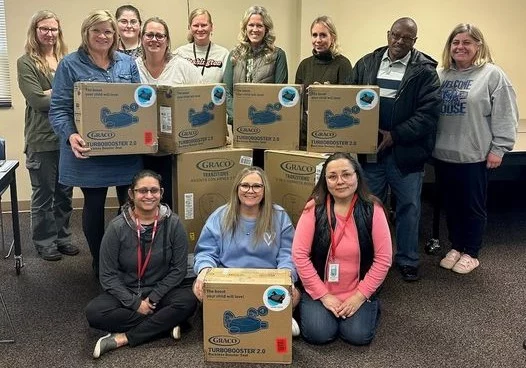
99, 171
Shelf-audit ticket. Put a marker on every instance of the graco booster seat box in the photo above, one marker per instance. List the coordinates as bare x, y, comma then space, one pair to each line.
247, 315
191, 117
116, 118
292, 176
267, 116
343, 118
201, 182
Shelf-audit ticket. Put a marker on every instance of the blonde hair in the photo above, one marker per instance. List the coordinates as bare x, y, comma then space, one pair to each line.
483, 54
329, 24
168, 53
32, 46
264, 222
195, 13
243, 48
95, 17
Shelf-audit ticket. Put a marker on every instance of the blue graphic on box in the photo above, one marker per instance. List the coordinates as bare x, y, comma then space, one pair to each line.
145, 96
218, 95
198, 118
344, 120
245, 324
121, 118
267, 116
276, 298
367, 99
288, 96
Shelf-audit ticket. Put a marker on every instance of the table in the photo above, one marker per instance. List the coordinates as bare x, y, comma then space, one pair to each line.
8, 180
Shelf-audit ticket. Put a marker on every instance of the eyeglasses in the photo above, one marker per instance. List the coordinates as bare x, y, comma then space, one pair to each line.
107, 32
145, 191
45, 30
396, 36
346, 176
158, 36
245, 187
131, 22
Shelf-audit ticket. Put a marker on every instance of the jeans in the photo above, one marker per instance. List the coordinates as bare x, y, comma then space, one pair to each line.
319, 326
464, 190
407, 190
106, 313
50, 201
93, 222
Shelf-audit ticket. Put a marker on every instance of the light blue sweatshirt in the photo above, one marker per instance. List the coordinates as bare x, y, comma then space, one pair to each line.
219, 248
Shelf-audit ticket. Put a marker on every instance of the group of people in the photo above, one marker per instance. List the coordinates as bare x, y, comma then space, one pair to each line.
462, 117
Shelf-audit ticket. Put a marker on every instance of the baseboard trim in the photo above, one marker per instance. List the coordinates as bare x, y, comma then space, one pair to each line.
78, 203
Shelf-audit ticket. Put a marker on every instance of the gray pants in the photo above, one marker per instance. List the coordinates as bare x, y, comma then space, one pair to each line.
50, 201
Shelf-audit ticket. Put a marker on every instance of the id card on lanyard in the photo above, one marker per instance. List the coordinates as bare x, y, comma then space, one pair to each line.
333, 274
141, 266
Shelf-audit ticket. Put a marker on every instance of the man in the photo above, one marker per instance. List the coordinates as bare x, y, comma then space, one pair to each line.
409, 110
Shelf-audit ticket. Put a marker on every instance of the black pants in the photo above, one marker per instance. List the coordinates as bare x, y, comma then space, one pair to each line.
106, 313
464, 188
93, 217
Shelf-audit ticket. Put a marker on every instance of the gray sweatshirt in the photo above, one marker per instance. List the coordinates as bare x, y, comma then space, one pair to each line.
479, 114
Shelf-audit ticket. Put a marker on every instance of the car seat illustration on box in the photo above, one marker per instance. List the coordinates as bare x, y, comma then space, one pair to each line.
344, 120
267, 116
121, 118
245, 324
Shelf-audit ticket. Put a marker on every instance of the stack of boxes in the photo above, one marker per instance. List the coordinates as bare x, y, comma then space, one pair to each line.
183, 131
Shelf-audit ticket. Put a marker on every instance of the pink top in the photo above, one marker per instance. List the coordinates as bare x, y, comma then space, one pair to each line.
347, 255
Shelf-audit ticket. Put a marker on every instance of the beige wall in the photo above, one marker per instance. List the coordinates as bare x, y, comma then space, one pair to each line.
362, 26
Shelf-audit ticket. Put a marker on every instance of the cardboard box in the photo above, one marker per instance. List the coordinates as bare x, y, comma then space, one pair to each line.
247, 316
292, 176
202, 181
343, 118
191, 117
116, 118
267, 116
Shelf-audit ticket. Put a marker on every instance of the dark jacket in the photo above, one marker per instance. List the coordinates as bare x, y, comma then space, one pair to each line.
118, 258
416, 109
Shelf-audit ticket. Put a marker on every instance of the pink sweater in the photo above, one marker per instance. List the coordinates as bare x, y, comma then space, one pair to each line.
347, 254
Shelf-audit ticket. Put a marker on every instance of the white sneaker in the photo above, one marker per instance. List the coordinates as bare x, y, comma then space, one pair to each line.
450, 259
176, 333
295, 328
465, 264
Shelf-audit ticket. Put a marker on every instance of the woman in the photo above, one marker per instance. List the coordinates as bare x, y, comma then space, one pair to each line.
342, 251
255, 59
247, 232
209, 58
325, 66
143, 264
50, 201
157, 64
129, 23
96, 60
477, 126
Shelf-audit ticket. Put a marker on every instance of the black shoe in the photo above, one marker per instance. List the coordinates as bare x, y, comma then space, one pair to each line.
69, 250
432, 247
50, 254
409, 273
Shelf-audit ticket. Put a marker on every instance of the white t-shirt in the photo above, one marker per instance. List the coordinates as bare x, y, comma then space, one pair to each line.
177, 71
214, 64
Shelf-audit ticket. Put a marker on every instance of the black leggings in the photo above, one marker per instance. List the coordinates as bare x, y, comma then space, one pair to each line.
93, 223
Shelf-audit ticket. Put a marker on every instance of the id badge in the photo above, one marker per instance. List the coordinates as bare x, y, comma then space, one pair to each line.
334, 272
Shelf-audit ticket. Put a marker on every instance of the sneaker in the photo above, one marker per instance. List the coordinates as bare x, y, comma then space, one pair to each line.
50, 254
295, 328
176, 333
69, 250
104, 344
465, 264
450, 259
409, 273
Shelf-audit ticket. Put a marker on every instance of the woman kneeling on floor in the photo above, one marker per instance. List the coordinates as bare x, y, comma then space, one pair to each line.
342, 250
143, 261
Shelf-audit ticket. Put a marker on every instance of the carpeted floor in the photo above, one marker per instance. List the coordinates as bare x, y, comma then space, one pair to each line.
444, 320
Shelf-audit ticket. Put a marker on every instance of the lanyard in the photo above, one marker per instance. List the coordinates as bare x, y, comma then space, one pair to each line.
336, 242
141, 267
206, 57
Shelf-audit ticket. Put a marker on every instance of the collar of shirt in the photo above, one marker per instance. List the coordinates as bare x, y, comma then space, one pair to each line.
404, 60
